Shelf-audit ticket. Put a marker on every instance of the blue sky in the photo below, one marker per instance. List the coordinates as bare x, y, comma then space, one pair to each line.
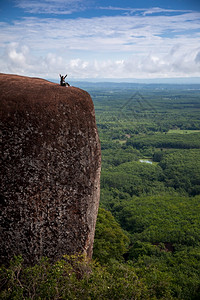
100, 38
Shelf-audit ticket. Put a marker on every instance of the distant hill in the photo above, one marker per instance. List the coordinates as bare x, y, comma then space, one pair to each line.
147, 84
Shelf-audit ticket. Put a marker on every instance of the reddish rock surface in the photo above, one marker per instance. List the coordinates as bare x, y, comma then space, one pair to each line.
50, 169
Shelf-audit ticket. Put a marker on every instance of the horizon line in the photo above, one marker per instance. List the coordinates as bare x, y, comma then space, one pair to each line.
170, 80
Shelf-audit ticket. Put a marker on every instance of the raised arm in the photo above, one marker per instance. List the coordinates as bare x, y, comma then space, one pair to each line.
65, 76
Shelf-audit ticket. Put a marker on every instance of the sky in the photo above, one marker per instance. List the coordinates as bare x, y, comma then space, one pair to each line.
95, 39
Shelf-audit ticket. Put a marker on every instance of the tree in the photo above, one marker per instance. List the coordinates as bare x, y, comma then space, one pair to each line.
110, 241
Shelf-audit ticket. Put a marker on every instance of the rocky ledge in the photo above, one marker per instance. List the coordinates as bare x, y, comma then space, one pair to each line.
50, 169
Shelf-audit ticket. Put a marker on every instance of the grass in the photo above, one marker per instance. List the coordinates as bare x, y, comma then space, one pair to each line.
179, 131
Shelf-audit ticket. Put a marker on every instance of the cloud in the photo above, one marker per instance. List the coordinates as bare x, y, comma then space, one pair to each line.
157, 10
120, 46
197, 58
51, 6
119, 33
179, 62
144, 11
16, 57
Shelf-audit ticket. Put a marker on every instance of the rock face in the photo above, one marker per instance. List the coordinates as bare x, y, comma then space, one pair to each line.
50, 172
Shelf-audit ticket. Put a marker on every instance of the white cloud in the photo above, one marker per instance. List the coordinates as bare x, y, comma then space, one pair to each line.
120, 46
177, 63
51, 6
16, 58
156, 10
121, 33
144, 11
197, 58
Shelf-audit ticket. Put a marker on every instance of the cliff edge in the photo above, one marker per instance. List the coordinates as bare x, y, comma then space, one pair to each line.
50, 169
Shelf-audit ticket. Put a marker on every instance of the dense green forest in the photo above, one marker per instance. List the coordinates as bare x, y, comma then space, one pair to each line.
150, 182
147, 240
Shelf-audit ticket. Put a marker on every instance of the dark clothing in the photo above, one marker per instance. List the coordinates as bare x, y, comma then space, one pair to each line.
62, 80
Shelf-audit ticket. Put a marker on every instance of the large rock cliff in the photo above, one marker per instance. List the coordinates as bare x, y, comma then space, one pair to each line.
50, 169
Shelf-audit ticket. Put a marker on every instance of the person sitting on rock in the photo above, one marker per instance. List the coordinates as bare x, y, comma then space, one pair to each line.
62, 81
